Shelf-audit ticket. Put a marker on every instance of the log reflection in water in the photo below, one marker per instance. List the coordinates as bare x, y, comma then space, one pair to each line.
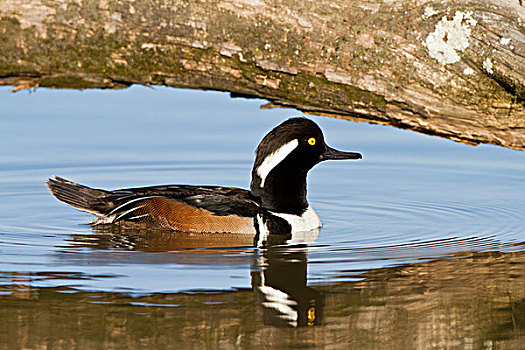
472, 300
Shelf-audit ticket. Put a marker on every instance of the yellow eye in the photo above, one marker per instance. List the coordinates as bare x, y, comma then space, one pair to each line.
311, 141
311, 316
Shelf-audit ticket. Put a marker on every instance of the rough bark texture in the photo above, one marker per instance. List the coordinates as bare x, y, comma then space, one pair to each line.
449, 68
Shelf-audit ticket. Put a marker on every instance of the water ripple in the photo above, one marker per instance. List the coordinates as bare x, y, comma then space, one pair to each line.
410, 220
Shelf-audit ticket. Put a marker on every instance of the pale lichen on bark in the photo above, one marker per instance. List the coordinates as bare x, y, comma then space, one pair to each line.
450, 37
417, 65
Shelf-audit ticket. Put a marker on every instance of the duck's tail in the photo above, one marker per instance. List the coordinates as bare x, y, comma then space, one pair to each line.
78, 196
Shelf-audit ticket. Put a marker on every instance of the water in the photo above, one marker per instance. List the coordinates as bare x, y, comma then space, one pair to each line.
422, 244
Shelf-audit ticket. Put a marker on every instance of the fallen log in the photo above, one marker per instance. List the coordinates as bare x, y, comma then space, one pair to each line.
454, 69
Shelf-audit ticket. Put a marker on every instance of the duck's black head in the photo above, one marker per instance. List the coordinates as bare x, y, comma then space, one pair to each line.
283, 158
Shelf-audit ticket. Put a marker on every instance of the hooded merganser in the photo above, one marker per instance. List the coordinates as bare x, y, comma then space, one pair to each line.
275, 204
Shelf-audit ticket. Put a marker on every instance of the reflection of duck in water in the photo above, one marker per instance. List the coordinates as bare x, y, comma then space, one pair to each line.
279, 282
278, 272
276, 202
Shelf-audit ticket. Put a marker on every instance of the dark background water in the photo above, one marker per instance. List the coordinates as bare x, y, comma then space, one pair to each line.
422, 243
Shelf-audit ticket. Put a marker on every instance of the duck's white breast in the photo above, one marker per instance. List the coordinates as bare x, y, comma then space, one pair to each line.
309, 220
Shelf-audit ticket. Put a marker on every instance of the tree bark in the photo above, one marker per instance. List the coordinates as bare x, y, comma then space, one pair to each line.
454, 69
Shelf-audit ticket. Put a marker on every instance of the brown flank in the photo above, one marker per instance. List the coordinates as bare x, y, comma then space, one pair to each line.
176, 215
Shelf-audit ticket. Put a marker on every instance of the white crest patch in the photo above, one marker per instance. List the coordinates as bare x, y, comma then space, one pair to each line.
274, 159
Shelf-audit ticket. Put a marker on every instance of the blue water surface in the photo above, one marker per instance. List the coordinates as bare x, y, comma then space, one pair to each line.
412, 198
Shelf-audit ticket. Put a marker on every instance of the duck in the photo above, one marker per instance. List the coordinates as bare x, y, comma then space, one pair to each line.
276, 203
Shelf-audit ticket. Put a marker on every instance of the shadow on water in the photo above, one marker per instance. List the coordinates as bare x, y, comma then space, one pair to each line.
467, 300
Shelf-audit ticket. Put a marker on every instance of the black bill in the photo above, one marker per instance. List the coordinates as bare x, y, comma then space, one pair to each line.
331, 153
